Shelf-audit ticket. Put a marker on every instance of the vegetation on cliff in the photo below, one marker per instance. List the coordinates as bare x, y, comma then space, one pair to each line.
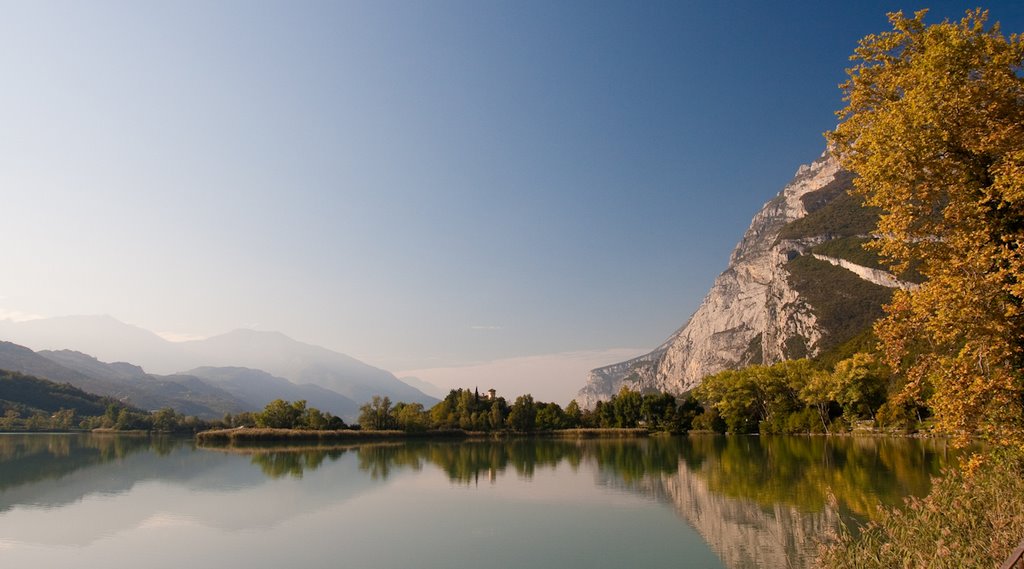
843, 303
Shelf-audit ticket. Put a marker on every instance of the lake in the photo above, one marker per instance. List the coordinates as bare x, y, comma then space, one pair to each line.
111, 501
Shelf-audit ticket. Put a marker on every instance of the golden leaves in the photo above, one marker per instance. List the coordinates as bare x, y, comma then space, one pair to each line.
934, 129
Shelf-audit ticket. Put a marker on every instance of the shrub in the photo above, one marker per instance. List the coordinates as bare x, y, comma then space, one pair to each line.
973, 517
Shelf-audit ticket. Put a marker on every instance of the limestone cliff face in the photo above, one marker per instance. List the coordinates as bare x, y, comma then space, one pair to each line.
750, 315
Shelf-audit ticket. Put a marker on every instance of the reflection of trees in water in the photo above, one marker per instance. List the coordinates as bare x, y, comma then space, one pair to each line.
758, 498
467, 462
796, 471
280, 463
803, 471
379, 460
34, 457
634, 460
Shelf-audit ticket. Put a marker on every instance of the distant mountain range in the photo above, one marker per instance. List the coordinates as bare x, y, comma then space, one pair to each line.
424, 386
237, 371
255, 388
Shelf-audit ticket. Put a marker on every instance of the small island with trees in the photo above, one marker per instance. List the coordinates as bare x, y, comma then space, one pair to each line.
462, 413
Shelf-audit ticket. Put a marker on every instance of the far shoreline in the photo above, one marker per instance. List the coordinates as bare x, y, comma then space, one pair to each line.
256, 435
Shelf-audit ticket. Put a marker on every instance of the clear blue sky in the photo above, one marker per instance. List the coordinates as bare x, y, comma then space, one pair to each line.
418, 184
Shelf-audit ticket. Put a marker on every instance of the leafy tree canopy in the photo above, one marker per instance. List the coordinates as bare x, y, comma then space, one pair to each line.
934, 130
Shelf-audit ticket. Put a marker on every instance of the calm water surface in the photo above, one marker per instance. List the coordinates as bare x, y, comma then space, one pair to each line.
703, 501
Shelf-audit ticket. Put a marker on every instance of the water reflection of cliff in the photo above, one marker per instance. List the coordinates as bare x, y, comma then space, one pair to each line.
765, 502
758, 502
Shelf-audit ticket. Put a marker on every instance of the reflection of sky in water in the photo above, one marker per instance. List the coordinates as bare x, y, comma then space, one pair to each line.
758, 502
206, 508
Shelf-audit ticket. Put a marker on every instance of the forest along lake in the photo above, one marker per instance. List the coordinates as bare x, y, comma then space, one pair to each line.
700, 501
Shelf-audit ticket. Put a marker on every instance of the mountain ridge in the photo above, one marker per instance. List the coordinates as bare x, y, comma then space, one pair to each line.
258, 388
120, 381
768, 305
108, 339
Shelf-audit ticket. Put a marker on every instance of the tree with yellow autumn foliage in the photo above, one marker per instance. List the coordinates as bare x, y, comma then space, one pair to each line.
934, 130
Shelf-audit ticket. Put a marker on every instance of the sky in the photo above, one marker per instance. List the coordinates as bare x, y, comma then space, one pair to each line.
419, 184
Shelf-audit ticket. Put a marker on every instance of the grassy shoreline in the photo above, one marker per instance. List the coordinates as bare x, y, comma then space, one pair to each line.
256, 435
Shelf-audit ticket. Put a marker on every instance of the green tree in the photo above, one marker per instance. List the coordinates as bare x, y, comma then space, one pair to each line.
687, 412
64, 419
859, 386
734, 396
818, 393
165, 420
934, 130
659, 411
628, 407
441, 415
522, 415
110, 416
280, 414
313, 419
465, 407
550, 416
124, 420
782, 386
604, 413
334, 423
10, 420
37, 422
243, 419
376, 415
496, 417
410, 417
573, 415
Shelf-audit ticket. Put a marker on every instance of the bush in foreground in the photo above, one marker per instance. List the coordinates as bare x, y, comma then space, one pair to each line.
973, 517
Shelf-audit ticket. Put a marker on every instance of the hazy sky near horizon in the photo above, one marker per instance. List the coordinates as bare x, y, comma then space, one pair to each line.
417, 184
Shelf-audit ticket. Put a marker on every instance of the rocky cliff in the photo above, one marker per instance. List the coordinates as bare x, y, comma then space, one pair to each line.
775, 299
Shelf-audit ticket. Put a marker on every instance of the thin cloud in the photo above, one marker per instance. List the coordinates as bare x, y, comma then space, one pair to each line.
480, 327
179, 336
18, 315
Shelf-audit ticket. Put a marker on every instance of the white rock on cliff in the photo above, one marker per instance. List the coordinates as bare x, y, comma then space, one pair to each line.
751, 308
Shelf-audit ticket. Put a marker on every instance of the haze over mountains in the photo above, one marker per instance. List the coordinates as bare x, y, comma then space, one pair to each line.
123, 382
239, 370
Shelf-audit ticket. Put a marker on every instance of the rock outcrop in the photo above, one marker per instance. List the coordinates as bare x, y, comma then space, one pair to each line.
753, 313
875, 276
